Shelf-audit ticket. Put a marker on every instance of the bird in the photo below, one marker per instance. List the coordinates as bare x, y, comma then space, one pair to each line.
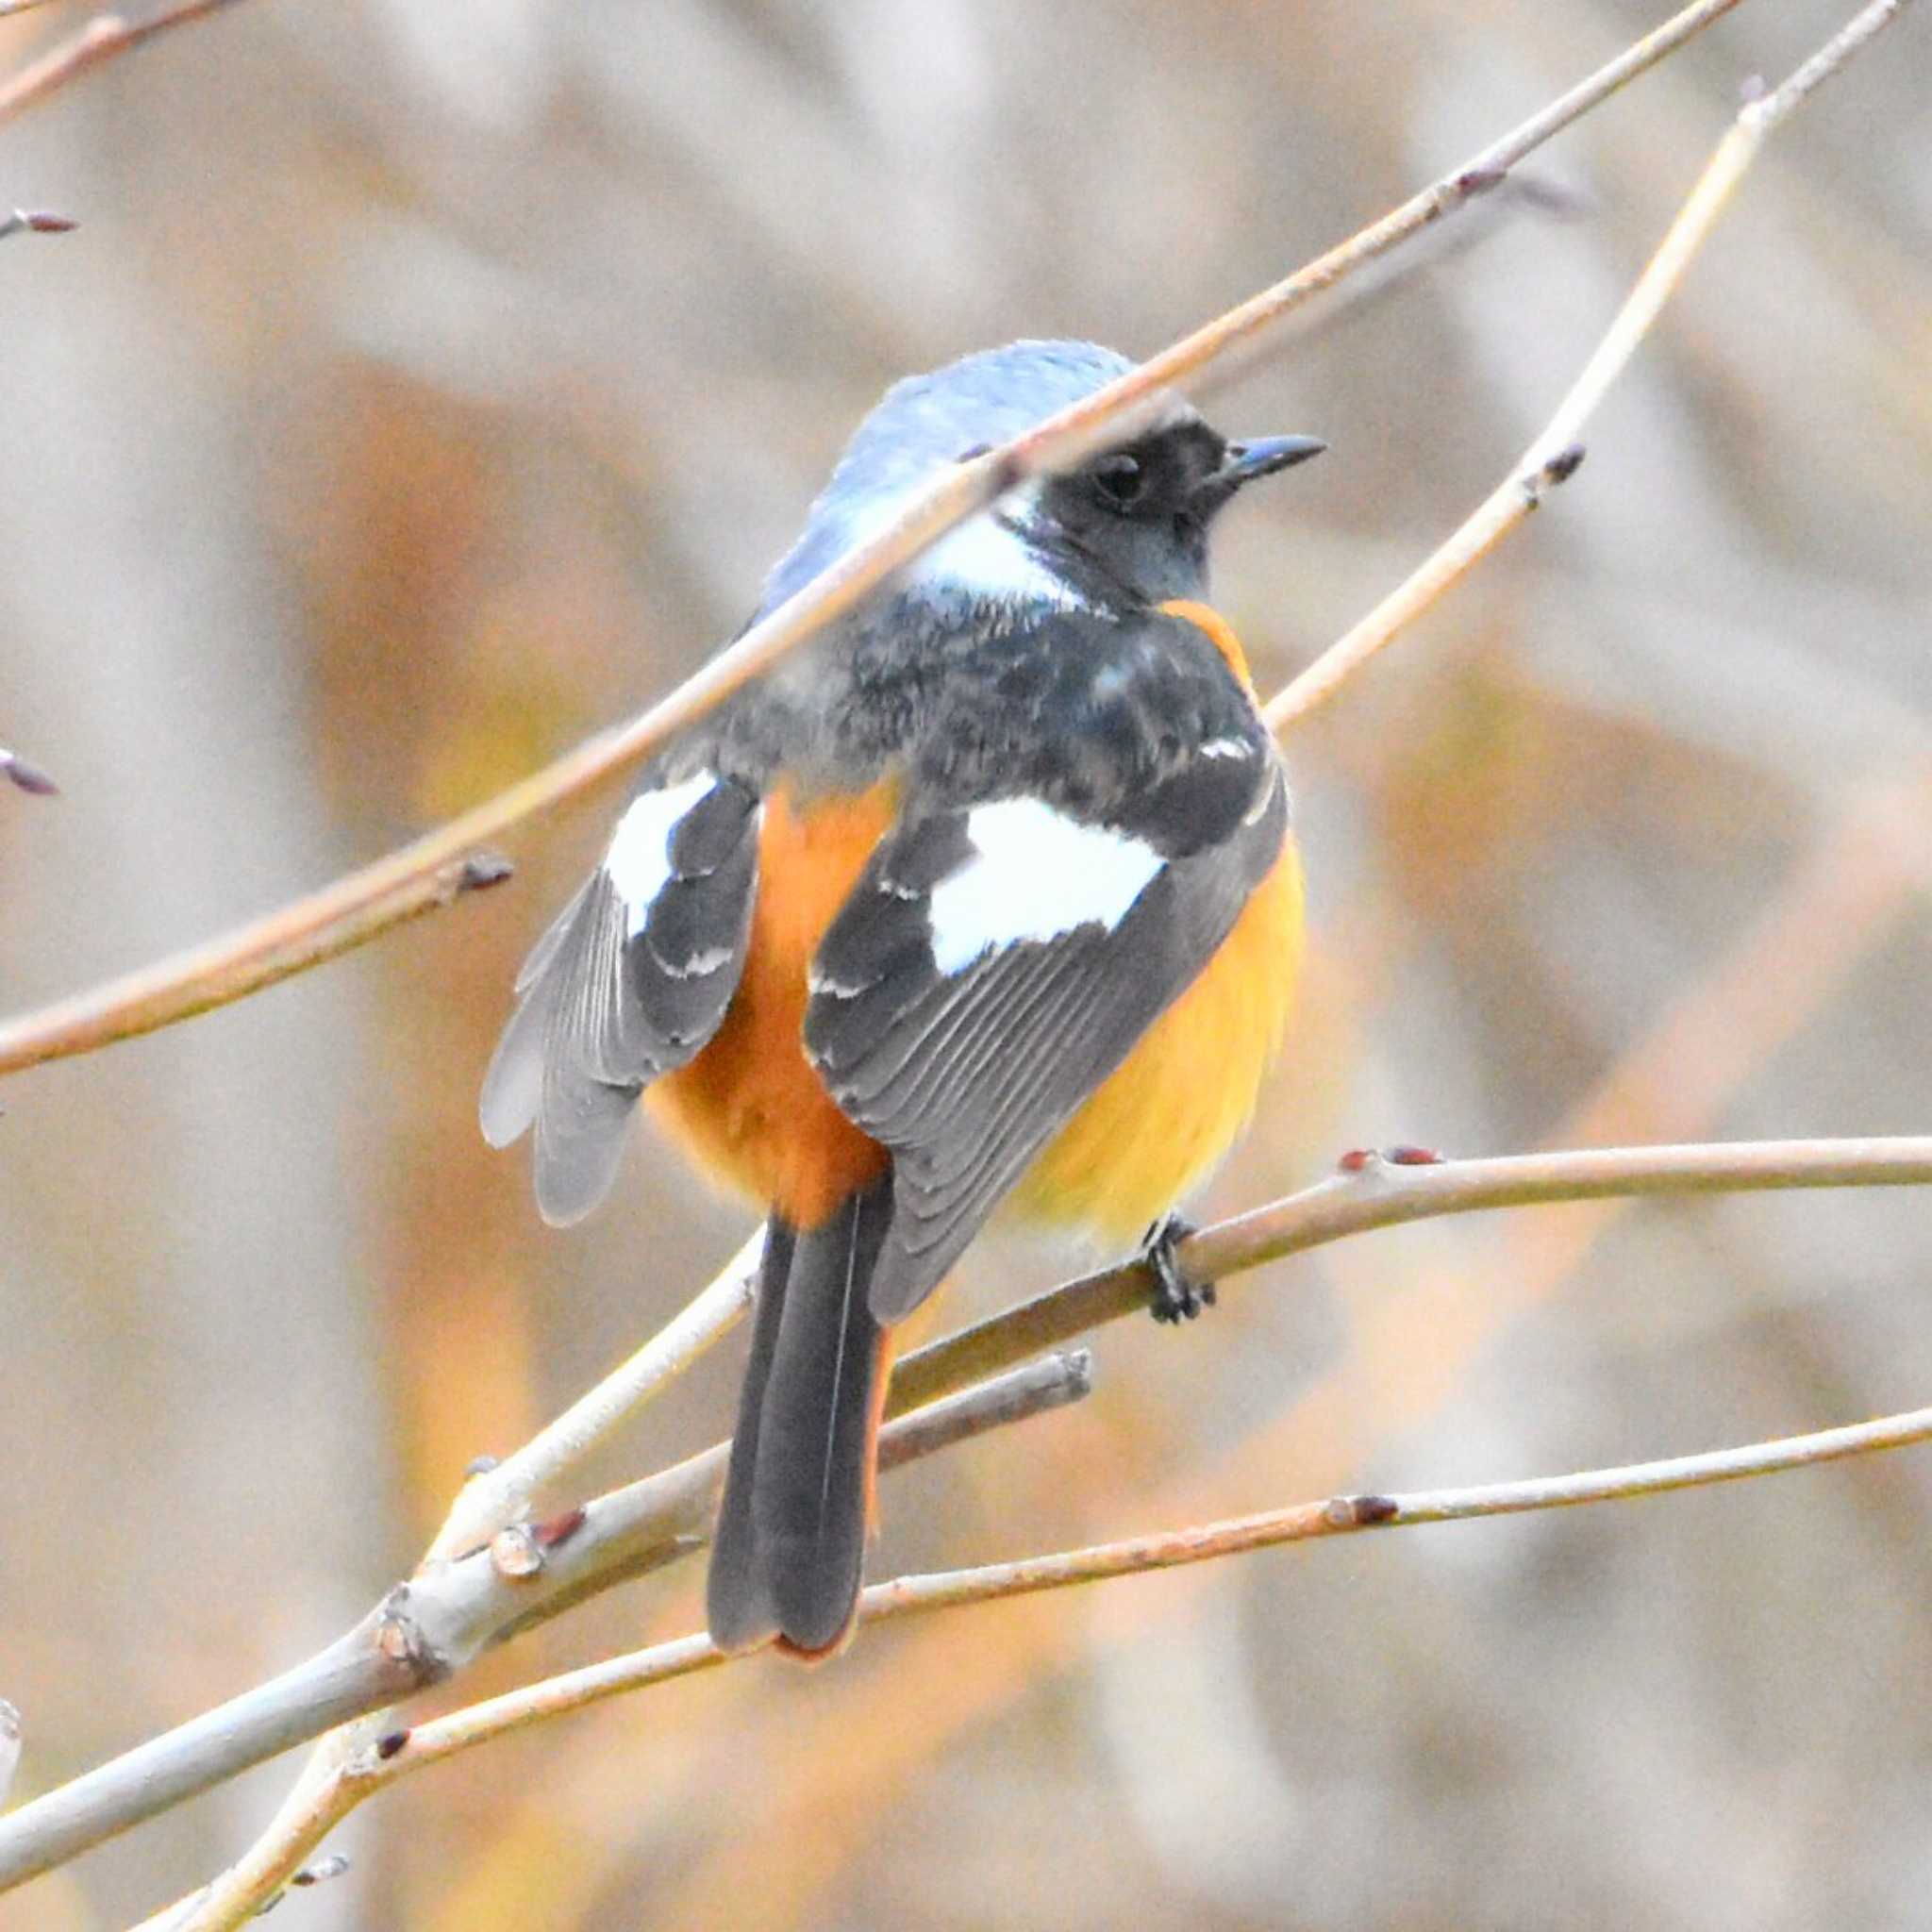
984, 899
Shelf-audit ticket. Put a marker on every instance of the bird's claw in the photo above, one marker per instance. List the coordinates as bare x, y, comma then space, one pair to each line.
1177, 1299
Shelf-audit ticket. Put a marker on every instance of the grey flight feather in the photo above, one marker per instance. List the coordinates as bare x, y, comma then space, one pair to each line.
603, 1009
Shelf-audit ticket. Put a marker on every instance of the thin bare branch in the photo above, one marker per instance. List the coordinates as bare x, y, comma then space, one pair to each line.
170, 990
1557, 452
102, 39
1053, 1382
1377, 1192
1344, 1515
448, 1613
1769, 110
475, 871
498, 1497
398, 1753
439, 1622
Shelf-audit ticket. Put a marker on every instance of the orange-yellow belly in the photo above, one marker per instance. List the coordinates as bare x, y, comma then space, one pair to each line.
1157, 1125
750, 1107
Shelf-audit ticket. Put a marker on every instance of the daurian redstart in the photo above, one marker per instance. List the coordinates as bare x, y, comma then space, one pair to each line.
985, 897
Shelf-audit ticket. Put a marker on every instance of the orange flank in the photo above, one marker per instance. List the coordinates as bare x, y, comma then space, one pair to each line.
1159, 1124
750, 1107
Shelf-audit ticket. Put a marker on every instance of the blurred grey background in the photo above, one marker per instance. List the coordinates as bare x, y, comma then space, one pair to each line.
429, 385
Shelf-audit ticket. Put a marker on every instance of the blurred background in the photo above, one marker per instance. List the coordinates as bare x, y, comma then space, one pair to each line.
430, 385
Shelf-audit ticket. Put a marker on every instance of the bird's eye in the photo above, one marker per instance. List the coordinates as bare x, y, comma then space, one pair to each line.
1120, 480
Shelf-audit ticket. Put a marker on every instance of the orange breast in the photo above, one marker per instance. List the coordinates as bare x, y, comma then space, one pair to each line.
750, 1107
1157, 1125
1219, 634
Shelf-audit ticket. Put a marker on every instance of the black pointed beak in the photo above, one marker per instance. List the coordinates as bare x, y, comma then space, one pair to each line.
1265, 455
1260, 455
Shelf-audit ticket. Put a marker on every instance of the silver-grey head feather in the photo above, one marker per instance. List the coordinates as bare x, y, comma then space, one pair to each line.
924, 423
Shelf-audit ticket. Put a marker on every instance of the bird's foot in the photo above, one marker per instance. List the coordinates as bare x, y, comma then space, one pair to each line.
1175, 1298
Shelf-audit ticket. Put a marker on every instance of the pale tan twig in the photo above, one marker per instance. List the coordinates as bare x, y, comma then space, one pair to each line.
443, 1619
167, 992
497, 1496
451, 1612
494, 1498
1383, 1194
1555, 452
398, 1753
475, 872
487, 1602
100, 40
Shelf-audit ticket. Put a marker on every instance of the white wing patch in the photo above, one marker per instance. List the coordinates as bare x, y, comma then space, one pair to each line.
1034, 874
639, 860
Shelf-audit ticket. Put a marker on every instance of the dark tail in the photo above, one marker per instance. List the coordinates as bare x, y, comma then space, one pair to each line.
797, 1502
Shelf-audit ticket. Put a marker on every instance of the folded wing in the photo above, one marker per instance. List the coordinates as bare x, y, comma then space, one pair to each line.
631, 981
995, 963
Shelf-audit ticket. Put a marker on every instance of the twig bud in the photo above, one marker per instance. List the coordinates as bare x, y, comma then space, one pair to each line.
26, 776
